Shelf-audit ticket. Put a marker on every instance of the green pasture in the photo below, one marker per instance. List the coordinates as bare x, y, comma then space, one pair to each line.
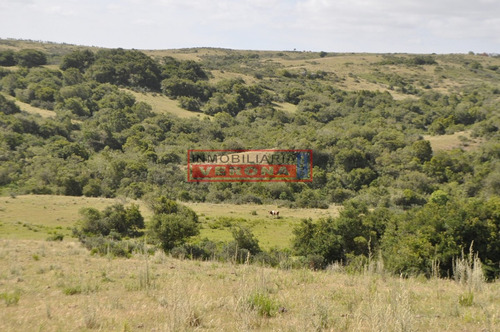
35, 217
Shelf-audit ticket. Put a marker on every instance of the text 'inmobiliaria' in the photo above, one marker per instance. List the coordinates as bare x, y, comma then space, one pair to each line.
249, 165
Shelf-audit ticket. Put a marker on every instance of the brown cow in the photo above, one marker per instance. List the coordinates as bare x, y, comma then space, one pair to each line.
274, 213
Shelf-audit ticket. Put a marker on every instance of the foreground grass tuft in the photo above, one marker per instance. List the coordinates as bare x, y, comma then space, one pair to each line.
11, 299
263, 304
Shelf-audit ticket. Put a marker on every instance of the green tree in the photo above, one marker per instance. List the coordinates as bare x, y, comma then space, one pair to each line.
318, 238
350, 159
246, 239
79, 59
172, 223
31, 58
7, 106
422, 150
126, 221
441, 230
7, 58
125, 67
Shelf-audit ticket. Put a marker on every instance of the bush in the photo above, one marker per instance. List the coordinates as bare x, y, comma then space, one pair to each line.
78, 59
190, 103
101, 232
72, 290
172, 223
179, 252
315, 262
11, 298
466, 299
7, 58
7, 106
246, 239
263, 304
55, 237
126, 221
101, 245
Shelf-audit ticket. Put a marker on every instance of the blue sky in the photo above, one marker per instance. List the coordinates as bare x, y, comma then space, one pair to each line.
416, 26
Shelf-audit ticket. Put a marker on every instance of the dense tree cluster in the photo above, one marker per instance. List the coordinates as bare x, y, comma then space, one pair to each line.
439, 231
23, 58
103, 232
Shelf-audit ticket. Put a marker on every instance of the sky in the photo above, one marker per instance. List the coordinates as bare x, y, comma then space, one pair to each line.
379, 26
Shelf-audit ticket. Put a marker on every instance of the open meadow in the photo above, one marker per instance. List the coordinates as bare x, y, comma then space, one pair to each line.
59, 286
38, 216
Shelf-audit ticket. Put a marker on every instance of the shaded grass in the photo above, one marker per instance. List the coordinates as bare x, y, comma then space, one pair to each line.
287, 107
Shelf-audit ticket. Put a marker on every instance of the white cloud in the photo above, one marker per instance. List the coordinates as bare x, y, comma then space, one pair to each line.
341, 25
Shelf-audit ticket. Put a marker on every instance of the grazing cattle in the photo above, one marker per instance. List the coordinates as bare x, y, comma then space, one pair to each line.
274, 213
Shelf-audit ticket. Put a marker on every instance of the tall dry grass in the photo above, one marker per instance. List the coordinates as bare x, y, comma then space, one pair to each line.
159, 293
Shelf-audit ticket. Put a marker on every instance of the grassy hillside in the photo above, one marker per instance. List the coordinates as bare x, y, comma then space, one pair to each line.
58, 286
162, 104
31, 109
406, 144
458, 140
354, 71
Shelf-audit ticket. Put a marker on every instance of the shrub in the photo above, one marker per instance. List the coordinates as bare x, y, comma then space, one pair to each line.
466, 299
7, 58
11, 298
101, 245
172, 223
204, 250
30, 58
263, 304
55, 237
246, 239
315, 262
126, 221
72, 290
7, 106
190, 103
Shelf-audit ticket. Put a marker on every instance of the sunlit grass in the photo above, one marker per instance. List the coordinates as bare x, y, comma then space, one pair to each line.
162, 104
461, 139
68, 289
31, 109
40, 216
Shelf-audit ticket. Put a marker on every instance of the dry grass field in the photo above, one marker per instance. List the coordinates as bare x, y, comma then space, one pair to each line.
31, 109
162, 104
458, 140
59, 286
